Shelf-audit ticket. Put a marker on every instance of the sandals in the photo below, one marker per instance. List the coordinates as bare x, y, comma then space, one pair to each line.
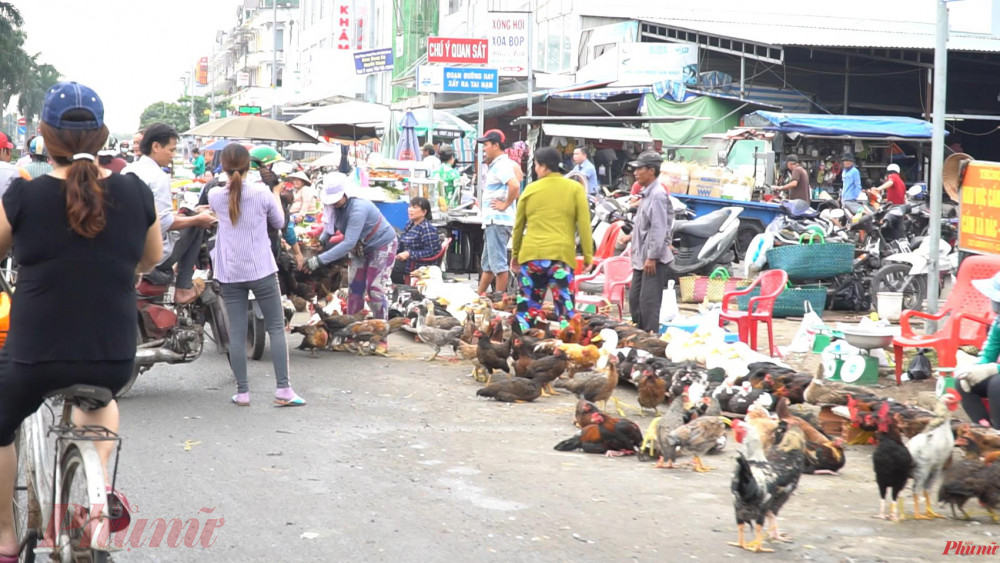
288, 398
198, 286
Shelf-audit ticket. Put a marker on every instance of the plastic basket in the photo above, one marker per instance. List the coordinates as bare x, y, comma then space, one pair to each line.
696, 289
812, 261
790, 302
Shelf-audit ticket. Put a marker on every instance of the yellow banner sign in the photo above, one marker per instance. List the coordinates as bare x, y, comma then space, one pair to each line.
979, 226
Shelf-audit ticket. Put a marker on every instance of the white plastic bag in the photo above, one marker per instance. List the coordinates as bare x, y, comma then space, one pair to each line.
806, 333
668, 304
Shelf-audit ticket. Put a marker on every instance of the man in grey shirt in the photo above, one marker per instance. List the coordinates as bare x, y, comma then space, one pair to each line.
651, 238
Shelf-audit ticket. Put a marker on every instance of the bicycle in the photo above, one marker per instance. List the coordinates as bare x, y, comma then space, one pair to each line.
62, 501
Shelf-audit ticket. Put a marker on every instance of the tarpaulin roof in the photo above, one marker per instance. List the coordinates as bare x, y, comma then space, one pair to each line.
875, 126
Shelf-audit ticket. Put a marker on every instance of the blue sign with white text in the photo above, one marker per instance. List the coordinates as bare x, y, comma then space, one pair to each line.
470, 80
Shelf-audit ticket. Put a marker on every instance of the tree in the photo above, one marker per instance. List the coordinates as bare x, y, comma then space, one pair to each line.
37, 85
177, 115
15, 64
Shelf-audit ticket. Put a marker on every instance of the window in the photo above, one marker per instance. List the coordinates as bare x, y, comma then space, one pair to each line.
279, 40
455, 5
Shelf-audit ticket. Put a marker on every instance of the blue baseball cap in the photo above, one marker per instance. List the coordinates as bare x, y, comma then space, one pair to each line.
65, 97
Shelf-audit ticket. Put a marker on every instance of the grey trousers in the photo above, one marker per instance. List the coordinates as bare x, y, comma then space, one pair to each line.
645, 295
237, 299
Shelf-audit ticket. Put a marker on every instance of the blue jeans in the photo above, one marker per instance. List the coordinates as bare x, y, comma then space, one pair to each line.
495, 239
237, 298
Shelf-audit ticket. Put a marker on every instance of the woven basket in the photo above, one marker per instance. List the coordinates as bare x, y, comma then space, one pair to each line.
812, 261
696, 289
790, 301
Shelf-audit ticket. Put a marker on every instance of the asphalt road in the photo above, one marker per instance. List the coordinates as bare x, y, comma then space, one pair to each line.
395, 459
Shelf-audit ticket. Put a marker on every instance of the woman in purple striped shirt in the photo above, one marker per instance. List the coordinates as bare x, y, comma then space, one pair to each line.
243, 262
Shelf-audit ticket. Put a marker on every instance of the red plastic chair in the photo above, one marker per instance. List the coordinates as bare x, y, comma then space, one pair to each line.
969, 313
759, 308
616, 274
431, 261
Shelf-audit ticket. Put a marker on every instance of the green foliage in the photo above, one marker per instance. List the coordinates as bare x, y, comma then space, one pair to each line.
177, 115
21, 73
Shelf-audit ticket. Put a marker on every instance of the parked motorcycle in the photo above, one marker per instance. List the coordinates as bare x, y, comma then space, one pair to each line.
705, 243
906, 272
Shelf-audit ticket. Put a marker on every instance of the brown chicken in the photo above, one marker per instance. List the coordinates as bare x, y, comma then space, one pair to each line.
824, 392
988, 445
314, 337
698, 437
584, 409
965, 479
492, 356
337, 322
823, 455
573, 332
653, 345
369, 335
652, 390
546, 370
758, 417
605, 435
515, 390
597, 387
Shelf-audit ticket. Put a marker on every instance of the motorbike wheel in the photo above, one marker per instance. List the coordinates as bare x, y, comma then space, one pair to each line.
256, 334
896, 277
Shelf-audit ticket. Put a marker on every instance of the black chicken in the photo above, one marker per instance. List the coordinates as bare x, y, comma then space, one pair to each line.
516, 390
892, 461
492, 356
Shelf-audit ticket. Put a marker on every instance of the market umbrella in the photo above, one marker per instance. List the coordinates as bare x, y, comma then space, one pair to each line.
217, 145
355, 113
408, 148
390, 137
250, 127
445, 125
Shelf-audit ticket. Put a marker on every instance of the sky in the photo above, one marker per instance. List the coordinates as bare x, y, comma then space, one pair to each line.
132, 52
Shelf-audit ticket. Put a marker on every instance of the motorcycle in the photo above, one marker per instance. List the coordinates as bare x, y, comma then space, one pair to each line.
171, 333
906, 272
705, 243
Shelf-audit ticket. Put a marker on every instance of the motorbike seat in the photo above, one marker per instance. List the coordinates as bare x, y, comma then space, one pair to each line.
704, 226
799, 209
149, 289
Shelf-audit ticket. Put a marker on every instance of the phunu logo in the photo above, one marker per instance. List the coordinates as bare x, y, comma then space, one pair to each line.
141, 532
969, 548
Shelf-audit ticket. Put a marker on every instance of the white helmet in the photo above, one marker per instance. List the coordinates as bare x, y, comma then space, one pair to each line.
110, 147
893, 168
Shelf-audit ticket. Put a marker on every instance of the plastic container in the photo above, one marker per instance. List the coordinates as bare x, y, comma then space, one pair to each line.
890, 305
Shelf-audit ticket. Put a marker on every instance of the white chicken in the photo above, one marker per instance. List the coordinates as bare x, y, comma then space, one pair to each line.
931, 450
455, 296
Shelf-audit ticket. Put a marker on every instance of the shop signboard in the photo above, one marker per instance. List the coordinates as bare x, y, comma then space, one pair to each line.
509, 42
458, 50
979, 223
373, 61
242, 79
646, 63
201, 73
450, 80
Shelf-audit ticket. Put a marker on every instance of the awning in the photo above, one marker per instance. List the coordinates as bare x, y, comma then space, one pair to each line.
674, 91
597, 133
861, 126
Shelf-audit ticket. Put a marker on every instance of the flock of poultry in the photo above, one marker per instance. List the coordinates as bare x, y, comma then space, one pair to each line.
780, 432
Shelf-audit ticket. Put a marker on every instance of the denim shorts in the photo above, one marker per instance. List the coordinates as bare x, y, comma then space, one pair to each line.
495, 239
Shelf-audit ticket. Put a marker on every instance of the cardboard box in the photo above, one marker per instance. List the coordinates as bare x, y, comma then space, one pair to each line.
706, 182
674, 177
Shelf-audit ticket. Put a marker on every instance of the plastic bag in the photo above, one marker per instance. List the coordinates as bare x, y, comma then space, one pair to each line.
919, 368
804, 337
668, 304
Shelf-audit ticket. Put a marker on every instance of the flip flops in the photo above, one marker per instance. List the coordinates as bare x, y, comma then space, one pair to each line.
288, 398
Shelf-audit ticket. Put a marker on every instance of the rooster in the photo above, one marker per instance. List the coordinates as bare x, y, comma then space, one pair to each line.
605, 435
492, 356
370, 334
931, 450
764, 481
891, 460
314, 337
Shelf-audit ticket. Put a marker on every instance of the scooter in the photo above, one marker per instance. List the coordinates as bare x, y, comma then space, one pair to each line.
705, 243
906, 272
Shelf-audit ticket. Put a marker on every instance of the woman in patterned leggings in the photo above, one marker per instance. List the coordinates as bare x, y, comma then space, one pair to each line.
551, 212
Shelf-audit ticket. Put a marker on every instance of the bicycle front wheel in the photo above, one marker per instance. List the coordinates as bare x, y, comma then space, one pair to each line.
25, 501
75, 519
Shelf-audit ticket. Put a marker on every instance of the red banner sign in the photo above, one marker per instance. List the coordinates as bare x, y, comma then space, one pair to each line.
201, 73
457, 50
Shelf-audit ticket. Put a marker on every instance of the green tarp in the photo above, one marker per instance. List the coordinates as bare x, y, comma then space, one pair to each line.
689, 132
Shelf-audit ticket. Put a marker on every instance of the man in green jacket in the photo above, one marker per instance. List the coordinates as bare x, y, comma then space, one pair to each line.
551, 212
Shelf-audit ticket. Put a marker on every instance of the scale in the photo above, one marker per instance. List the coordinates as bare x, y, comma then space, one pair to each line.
857, 365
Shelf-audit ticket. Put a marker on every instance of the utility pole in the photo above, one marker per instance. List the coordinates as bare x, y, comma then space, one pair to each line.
190, 85
211, 80
274, 60
937, 153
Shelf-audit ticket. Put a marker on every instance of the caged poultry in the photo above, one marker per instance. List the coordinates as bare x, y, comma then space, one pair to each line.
764, 481
605, 435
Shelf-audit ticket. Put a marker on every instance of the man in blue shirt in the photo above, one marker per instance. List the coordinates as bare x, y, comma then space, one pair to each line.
852, 181
585, 167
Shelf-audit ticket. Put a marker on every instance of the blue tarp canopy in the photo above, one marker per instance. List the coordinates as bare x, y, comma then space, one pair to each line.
862, 126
